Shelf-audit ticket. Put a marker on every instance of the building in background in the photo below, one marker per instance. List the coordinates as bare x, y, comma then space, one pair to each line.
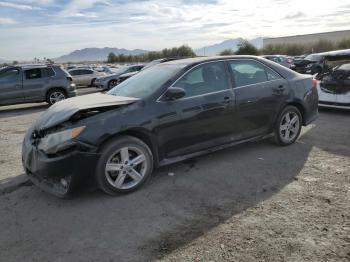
307, 39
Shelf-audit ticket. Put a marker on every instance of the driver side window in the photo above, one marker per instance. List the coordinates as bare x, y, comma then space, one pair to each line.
9, 75
204, 79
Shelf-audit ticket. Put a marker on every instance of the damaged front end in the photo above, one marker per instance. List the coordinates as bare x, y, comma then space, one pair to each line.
53, 155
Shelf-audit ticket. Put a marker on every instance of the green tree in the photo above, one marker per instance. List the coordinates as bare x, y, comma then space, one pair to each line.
111, 58
344, 43
246, 48
227, 52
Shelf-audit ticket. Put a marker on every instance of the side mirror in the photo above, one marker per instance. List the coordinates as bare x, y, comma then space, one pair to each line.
174, 93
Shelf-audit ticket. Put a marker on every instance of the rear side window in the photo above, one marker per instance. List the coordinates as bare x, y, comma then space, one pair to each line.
47, 72
9, 75
250, 72
74, 72
207, 78
86, 72
33, 73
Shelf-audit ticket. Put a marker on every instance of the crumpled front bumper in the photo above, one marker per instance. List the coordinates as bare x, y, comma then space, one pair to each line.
58, 174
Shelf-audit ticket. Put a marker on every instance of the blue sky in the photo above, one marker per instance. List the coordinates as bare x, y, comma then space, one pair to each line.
50, 28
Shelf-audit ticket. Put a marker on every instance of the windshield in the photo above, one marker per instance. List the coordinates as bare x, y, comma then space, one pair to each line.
146, 82
314, 58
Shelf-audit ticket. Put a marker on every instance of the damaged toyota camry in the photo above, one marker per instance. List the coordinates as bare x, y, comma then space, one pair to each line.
165, 114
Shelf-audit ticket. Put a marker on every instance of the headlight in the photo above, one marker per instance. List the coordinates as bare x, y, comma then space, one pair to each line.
308, 66
55, 142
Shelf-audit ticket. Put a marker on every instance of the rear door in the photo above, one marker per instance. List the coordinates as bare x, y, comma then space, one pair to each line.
203, 118
11, 90
34, 84
260, 92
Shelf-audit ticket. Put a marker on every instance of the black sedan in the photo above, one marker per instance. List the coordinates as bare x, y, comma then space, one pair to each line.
164, 114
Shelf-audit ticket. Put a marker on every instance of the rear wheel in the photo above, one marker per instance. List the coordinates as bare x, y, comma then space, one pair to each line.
55, 95
124, 166
288, 126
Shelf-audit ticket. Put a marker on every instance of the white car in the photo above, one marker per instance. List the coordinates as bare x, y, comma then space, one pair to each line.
334, 83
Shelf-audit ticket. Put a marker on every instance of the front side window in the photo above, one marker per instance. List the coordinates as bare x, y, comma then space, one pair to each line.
203, 79
33, 73
250, 72
9, 75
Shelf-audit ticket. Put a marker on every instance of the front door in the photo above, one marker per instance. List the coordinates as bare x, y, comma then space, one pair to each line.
203, 118
11, 90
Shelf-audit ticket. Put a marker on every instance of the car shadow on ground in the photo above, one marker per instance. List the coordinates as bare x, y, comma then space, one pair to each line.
178, 204
25, 109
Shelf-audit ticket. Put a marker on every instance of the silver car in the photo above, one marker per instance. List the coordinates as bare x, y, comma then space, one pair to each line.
111, 80
83, 77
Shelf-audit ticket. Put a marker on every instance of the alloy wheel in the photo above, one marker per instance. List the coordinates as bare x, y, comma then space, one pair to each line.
56, 97
126, 168
289, 126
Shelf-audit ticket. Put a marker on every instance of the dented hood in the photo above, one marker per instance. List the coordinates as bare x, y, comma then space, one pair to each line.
64, 110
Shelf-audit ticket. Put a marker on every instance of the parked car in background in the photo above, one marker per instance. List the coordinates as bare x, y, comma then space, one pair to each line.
84, 77
35, 83
125, 76
311, 64
165, 114
109, 81
334, 81
286, 61
104, 69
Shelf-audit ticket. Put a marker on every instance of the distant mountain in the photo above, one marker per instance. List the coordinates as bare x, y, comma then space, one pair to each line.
227, 44
96, 54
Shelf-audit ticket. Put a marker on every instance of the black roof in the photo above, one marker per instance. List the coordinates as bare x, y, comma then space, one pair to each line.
189, 62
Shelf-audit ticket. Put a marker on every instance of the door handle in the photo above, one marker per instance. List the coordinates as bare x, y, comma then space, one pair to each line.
280, 87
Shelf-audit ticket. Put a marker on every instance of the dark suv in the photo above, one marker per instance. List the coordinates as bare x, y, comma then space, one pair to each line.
35, 83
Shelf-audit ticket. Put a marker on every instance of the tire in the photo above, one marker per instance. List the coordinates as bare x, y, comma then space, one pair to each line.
55, 95
114, 175
286, 133
112, 83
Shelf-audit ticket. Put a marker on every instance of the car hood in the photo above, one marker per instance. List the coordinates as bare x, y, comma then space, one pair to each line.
64, 110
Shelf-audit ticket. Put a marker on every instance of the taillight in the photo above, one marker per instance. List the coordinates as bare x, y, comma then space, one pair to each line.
290, 61
314, 83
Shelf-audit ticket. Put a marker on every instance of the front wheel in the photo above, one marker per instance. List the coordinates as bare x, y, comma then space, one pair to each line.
112, 84
124, 166
288, 126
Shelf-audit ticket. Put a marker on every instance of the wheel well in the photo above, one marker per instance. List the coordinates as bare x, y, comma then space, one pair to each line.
143, 136
301, 110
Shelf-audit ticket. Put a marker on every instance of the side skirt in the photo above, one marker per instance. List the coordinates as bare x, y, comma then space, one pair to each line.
168, 161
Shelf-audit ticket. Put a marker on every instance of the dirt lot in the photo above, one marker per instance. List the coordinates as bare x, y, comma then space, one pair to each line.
254, 202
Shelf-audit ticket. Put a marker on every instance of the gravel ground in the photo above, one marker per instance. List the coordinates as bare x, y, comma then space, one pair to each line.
254, 202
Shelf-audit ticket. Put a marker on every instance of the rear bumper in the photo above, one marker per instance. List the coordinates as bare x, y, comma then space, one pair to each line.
57, 175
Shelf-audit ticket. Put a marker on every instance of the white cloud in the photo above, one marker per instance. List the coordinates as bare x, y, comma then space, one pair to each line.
155, 24
78, 6
6, 21
18, 6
